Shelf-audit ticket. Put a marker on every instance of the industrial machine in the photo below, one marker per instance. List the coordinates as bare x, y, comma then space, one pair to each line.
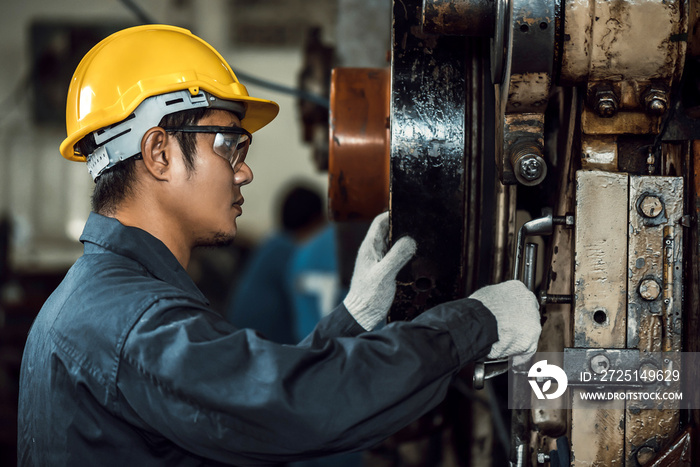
573, 123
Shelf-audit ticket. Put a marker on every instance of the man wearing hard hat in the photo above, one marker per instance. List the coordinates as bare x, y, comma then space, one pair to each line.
127, 365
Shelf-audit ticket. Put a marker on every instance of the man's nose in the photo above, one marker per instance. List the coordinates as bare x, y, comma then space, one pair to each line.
244, 176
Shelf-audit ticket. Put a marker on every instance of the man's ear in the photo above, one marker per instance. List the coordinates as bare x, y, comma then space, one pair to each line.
155, 153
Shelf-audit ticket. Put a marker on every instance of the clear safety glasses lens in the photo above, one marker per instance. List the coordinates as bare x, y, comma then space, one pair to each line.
232, 147
231, 143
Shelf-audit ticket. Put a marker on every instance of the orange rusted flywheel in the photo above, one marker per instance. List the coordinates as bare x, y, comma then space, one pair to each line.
358, 165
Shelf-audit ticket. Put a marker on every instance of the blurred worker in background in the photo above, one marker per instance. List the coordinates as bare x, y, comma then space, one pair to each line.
313, 281
261, 300
126, 364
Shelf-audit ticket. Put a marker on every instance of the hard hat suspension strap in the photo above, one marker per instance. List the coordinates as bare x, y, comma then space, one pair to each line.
123, 140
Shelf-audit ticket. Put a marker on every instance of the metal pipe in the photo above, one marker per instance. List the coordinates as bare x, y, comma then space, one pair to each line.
530, 266
541, 226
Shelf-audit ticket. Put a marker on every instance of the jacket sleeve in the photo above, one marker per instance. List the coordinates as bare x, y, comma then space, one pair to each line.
231, 396
339, 323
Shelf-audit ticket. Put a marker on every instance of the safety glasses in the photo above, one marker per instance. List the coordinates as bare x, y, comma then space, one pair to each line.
230, 142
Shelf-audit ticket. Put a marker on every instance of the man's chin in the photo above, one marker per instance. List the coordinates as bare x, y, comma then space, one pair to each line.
218, 239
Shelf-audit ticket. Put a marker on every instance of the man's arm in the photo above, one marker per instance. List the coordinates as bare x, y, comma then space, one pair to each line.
339, 323
229, 395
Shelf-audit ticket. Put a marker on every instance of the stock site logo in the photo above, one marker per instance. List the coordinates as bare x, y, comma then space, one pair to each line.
542, 372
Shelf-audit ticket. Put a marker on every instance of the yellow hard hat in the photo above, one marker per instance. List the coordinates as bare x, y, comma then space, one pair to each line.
134, 64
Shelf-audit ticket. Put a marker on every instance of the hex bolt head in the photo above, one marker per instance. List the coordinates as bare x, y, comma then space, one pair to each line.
649, 289
657, 107
528, 165
604, 100
655, 100
651, 206
600, 364
606, 108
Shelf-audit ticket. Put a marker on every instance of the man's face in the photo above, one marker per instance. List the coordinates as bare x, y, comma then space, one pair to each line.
209, 198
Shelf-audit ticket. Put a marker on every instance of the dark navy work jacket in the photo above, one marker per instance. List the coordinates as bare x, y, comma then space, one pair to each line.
126, 365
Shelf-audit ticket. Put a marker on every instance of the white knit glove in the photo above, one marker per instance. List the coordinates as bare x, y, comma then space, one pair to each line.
373, 282
517, 313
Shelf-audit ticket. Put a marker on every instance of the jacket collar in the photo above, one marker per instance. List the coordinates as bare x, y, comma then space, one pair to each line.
107, 233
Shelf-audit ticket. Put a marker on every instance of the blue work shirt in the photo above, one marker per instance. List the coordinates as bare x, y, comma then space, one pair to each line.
127, 365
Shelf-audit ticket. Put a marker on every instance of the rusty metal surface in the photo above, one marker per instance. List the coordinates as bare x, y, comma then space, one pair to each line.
624, 40
654, 292
532, 29
525, 92
680, 453
517, 130
653, 298
633, 123
647, 432
528, 92
358, 169
599, 153
600, 303
597, 436
459, 17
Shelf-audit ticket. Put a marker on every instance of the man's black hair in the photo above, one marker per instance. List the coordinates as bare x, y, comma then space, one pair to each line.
116, 183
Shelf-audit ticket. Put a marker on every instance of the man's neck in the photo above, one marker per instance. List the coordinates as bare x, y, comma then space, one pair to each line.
160, 227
